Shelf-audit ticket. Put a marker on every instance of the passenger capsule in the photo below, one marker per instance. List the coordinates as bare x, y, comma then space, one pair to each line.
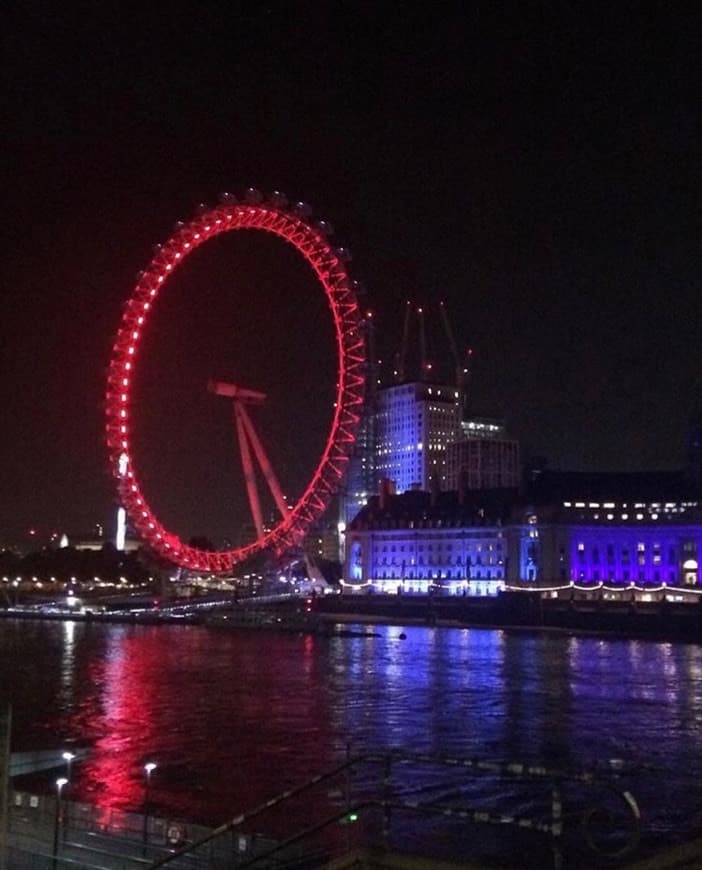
279, 199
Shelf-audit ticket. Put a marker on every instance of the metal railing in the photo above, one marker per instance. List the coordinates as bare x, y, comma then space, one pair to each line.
604, 814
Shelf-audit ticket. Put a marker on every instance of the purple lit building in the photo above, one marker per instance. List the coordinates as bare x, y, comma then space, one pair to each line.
419, 542
617, 530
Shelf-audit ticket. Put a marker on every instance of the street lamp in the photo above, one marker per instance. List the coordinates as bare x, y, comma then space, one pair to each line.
68, 758
149, 768
60, 783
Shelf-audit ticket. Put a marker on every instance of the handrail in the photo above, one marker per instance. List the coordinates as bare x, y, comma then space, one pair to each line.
239, 820
553, 828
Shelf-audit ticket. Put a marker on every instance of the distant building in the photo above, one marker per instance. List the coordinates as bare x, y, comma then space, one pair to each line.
414, 425
322, 542
410, 425
97, 541
94, 540
360, 479
485, 457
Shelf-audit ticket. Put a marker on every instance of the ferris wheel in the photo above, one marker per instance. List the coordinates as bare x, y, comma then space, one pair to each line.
292, 224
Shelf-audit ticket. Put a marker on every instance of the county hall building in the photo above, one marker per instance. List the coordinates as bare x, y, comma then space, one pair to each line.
590, 530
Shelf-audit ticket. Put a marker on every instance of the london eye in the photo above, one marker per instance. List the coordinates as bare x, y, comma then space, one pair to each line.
292, 521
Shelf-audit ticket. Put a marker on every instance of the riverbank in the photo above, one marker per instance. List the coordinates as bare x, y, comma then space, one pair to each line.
523, 611
330, 615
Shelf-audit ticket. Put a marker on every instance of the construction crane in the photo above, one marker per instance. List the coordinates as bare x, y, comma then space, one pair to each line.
425, 365
401, 355
462, 368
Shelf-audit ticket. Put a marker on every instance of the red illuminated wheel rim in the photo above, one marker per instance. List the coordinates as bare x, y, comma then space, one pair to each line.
330, 269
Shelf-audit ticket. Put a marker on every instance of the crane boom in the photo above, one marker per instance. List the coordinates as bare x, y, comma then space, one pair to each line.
451, 342
401, 357
461, 368
422, 345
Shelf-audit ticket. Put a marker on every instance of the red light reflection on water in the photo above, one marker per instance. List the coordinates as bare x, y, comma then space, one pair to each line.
229, 719
124, 724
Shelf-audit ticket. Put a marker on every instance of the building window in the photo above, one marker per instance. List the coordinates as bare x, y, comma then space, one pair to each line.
690, 572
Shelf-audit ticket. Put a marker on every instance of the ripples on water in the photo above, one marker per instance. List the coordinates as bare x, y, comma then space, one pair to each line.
235, 717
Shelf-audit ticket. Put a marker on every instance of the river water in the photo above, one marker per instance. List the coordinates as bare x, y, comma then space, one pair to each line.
234, 717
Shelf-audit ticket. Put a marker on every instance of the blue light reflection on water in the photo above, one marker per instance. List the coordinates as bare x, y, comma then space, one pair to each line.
235, 717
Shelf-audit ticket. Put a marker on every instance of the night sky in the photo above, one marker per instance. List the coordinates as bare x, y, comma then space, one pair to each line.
537, 166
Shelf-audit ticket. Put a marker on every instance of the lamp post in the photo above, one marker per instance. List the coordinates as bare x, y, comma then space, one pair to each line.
149, 768
68, 758
60, 783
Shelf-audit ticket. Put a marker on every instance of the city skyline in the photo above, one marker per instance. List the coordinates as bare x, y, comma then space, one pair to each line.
538, 173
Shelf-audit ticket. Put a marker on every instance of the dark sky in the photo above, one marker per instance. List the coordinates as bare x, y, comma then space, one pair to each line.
535, 165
